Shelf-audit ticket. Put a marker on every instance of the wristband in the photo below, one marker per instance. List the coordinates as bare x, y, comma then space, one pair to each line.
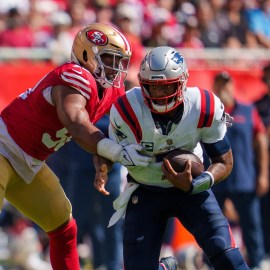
201, 183
109, 149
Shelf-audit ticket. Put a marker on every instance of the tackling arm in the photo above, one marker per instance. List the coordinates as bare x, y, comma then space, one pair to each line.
70, 106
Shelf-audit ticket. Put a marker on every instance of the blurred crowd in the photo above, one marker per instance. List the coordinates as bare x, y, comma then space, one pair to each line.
178, 23
52, 24
194, 24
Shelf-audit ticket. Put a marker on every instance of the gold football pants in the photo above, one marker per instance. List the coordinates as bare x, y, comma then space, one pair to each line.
42, 201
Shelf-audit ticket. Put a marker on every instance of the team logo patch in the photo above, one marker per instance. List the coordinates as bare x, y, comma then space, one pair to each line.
177, 58
97, 37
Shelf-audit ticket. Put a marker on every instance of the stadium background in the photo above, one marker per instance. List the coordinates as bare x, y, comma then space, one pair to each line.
22, 68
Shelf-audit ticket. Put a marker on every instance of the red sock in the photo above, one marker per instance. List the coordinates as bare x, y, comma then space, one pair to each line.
63, 247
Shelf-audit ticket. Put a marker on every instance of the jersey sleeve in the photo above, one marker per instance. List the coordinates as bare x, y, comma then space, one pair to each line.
217, 130
78, 78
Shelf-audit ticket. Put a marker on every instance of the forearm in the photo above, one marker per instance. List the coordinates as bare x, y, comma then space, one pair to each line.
83, 132
262, 155
221, 167
87, 137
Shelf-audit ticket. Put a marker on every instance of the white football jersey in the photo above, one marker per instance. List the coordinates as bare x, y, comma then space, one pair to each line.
131, 121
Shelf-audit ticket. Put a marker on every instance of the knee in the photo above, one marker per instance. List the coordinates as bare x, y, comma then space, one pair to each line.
217, 243
64, 233
229, 260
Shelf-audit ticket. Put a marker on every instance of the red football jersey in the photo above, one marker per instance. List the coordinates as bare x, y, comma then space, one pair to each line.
33, 122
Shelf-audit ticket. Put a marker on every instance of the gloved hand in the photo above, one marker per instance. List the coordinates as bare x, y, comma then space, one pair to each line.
129, 156
126, 155
229, 120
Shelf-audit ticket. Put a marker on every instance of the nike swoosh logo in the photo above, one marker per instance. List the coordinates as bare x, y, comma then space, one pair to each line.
77, 71
126, 157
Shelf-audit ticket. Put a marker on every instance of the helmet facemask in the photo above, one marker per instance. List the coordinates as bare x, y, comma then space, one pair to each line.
111, 69
166, 103
165, 68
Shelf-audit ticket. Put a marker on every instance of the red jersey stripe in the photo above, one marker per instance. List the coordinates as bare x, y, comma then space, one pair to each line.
125, 110
207, 109
233, 242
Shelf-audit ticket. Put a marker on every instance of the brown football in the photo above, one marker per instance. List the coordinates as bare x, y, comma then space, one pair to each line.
178, 159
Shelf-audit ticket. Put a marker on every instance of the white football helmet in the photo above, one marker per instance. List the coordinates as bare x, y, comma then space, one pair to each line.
96, 42
163, 65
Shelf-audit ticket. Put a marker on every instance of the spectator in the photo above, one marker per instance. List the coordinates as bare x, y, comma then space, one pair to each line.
211, 33
164, 26
17, 33
80, 15
60, 42
259, 21
104, 14
191, 36
263, 106
159, 29
244, 186
127, 22
235, 20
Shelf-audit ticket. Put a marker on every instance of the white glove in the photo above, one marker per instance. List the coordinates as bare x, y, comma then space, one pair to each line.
130, 156
228, 120
126, 155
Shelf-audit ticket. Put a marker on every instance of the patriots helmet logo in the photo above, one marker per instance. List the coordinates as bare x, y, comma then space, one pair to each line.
178, 59
97, 37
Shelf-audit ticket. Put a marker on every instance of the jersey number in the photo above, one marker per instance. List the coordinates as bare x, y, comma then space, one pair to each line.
61, 134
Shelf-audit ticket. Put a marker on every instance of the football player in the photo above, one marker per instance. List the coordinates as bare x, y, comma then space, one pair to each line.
64, 104
162, 115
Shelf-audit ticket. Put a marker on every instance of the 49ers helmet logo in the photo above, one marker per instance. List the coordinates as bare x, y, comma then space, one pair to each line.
97, 37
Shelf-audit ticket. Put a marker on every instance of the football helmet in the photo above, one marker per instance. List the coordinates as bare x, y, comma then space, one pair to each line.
163, 66
97, 43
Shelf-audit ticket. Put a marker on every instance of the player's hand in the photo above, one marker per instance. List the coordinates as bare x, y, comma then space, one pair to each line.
126, 155
228, 120
130, 156
102, 167
180, 180
262, 186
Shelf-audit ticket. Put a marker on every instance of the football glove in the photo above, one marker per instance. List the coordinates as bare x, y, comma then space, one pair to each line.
126, 155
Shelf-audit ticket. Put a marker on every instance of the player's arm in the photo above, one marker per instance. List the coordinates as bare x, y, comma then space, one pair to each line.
261, 152
218, 149
70, 106
221, 158
102, 167
221, 165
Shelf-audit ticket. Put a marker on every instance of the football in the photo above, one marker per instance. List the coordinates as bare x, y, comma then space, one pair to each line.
178, 159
